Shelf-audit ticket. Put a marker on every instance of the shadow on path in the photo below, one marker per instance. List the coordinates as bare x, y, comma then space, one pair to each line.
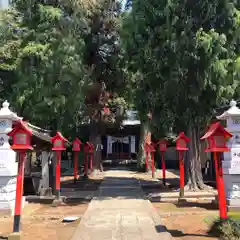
176, 233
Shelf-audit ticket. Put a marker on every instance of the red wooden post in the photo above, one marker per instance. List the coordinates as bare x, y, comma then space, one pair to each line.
163, 147
163, 169
181, 147
217, 137
58, 142
21, 136
220, 186
58, 173
19, 192
76, 148
181, 167
215, 157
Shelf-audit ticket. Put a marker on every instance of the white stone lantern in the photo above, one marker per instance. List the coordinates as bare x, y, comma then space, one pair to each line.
231, 163
8, 163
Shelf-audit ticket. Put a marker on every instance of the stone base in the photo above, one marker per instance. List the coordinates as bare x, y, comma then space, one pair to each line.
7, 207
58, 202
182, 200
46, 191
14, 236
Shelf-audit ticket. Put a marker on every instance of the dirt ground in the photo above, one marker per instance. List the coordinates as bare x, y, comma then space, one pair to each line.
185, 222
45, 222
42, 221
190, 221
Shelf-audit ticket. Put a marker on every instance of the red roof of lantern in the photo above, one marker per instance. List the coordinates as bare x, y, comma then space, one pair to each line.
182, 136
214, 128
57, 136
20, 126
77, 140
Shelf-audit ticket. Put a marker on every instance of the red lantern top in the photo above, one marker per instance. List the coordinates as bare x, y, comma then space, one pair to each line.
181, 142
76, 145
217, 138
21, 135
87, 147
149, 147
163, 145
58, 142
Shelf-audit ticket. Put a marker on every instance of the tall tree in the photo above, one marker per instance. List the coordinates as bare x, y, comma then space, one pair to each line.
187, 52
103, 56
43, 51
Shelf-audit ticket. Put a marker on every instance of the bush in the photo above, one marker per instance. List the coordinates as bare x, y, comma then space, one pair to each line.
227, 229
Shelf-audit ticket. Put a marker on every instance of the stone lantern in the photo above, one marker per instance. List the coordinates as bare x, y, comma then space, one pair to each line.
231, 163
8, 163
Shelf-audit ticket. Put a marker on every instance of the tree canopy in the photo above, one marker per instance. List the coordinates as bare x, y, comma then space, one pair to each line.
174, 61
187, 55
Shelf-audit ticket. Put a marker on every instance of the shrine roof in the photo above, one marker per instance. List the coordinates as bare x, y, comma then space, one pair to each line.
40, 133
231, 112
131, 118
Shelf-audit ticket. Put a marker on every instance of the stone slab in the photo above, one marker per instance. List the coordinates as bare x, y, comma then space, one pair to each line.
120, 213
14, 236
186, 194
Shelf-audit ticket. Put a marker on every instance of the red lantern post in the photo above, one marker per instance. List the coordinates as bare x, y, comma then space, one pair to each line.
152, 150
21, 136
76, 148
163, 148
217, 137
181, 147
58, 142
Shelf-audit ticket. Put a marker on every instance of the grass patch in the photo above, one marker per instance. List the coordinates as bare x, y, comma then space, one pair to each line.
227, 229
234, 215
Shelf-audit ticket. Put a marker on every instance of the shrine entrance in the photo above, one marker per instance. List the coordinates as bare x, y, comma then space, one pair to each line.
120, 147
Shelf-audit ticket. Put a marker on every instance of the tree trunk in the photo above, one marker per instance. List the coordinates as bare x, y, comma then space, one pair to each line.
193, 162
96, 140
144, 132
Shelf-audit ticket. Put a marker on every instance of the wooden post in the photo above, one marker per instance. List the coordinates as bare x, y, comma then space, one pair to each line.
58, 174
19, 192
75, 166
163, 169
220, 186
181, 167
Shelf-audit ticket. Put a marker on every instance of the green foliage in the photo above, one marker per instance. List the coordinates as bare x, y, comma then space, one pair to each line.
104, 56
186, 57
43, 52
227, 229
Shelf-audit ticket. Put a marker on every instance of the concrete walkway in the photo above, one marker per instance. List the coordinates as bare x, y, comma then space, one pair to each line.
119, 212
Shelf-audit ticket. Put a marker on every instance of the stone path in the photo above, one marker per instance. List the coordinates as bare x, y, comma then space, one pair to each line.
119, 211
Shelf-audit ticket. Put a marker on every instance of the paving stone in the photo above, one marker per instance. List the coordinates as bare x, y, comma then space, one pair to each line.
119, 211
